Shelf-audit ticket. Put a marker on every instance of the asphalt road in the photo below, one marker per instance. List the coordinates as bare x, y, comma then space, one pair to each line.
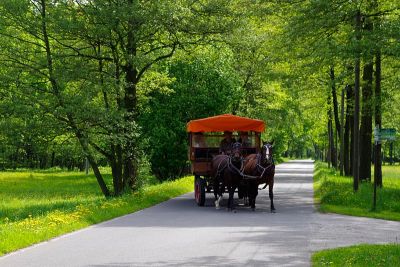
179, 233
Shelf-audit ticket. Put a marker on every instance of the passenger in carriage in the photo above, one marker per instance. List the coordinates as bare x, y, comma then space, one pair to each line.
199, 140
244, 139
225, 146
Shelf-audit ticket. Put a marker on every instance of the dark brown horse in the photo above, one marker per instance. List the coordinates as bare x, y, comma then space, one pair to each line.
226, 172
259, 169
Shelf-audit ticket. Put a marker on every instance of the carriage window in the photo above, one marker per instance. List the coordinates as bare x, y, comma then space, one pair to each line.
206, 140
213, 140
199, 140
251, 141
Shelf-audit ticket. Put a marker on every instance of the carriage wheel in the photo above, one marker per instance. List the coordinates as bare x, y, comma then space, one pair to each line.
199, 190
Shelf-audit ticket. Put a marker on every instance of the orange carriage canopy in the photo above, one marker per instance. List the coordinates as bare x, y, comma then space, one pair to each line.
225, 122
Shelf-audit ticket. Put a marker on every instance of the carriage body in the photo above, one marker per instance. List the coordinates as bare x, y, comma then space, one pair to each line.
205, 136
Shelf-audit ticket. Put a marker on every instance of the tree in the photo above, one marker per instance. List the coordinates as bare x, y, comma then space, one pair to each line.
89, 58
201, 86
348, 26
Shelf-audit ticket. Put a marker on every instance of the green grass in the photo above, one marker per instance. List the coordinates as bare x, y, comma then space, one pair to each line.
37, 206
335, 193
390, 172
360, 255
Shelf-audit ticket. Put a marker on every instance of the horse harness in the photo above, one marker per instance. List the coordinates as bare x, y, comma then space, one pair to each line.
240, 171
260, 169
231, 167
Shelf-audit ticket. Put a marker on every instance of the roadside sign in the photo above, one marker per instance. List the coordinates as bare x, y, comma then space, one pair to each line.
388, 134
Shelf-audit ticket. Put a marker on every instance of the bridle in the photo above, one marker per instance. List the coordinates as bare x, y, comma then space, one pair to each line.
234, 160
266, 155
236, 151
265, 162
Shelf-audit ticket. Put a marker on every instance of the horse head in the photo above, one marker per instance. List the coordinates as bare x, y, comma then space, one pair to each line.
267, 153
236, 153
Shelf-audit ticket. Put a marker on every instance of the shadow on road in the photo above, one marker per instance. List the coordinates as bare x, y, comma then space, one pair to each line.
203, 261
293, 194
290, 198
207, 261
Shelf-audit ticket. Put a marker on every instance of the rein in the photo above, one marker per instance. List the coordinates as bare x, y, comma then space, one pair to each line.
235, 169
249, 177
231, 167
240, 171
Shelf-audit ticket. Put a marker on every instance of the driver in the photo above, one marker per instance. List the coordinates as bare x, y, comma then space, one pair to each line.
225, 146
244, 139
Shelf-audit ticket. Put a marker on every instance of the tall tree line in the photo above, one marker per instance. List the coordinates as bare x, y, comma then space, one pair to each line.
116, 81
82, 62
349, 40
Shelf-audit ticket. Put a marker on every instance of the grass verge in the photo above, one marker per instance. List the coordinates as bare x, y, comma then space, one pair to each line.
334, 193
37, 206
360, 255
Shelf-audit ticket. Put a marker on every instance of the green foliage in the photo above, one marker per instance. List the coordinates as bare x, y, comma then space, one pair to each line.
111, 84
322, 35
360, 255
81, 65
36, 206
335, 194
200, 88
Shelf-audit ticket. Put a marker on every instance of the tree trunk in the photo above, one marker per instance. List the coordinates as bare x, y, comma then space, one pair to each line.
331, 142
349, 132
130, 103
117, 170
378, 120
334, 100
53, 155
342, 133
366, 115
57, 94
366, 124
130, 173
356, 101
91, 160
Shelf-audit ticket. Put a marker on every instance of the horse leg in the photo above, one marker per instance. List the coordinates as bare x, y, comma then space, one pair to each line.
252, 196
271, 196
246, 195
221, 188
231, 205
218, 198
251, 201
240, 191
217, 193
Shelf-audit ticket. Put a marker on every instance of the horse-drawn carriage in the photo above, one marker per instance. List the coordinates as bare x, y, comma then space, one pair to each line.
205, 136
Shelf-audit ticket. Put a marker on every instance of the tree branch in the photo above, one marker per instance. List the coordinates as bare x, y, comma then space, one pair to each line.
148, 65
102, 151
